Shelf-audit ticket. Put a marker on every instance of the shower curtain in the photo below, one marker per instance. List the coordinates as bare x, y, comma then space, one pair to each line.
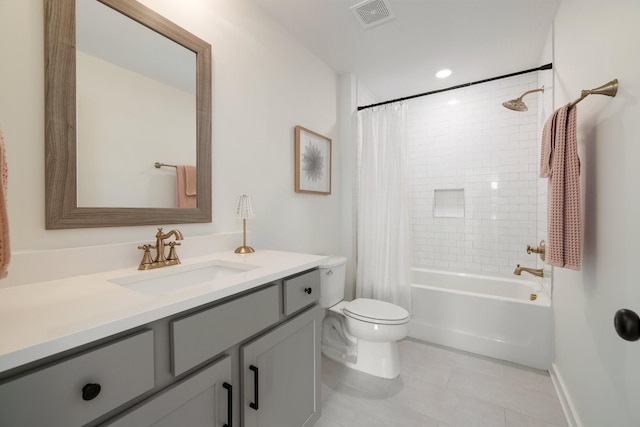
383, 241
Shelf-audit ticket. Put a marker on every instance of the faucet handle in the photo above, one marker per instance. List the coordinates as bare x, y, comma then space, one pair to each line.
146, 257
541, 250
173, 256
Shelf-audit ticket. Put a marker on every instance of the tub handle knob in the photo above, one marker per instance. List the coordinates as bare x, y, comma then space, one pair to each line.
627, 324
329, 273
540, 249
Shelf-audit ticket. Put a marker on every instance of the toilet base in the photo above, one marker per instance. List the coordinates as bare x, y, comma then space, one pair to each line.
376, 358
380, 359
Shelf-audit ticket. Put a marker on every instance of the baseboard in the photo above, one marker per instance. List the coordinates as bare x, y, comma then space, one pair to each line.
569, 410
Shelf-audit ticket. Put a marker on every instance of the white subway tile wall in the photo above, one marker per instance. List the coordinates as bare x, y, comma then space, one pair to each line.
492, 153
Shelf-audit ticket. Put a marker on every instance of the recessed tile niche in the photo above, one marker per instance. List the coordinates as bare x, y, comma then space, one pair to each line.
448, 203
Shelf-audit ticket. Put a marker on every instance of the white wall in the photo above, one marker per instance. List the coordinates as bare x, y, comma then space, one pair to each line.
594, 42
347, 107
264, 84
352, 94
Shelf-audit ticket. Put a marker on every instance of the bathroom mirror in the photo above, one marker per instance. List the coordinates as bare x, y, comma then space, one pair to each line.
68, 132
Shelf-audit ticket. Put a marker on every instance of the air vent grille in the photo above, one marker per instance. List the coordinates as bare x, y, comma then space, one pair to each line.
372, 12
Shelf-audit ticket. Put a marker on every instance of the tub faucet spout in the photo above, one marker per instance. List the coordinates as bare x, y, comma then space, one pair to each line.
535, 271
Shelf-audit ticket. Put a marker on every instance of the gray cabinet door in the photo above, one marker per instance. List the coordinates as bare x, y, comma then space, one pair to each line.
285, 366
200, 400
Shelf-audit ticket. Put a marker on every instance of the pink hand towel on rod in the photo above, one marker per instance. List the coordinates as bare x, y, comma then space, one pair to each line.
186, 186
560, 163
5, 251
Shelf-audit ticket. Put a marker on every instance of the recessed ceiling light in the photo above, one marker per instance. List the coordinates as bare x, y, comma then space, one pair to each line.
443, 73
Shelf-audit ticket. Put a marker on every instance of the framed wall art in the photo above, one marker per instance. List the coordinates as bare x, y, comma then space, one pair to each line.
313, 162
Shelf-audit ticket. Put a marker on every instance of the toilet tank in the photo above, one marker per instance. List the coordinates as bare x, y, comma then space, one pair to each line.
332, 277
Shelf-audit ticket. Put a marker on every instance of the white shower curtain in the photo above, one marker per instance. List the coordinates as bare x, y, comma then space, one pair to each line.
383, 241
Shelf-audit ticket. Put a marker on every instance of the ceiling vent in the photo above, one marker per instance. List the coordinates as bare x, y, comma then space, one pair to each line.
372, 12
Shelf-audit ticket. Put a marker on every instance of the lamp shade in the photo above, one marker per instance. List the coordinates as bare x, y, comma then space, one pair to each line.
243, 208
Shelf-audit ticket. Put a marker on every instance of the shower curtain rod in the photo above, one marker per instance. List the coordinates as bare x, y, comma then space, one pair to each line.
542, 67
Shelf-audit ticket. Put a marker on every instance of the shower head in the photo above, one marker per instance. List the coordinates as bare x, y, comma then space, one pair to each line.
517, 104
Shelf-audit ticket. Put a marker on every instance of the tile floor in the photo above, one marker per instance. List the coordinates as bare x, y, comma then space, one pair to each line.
439, 387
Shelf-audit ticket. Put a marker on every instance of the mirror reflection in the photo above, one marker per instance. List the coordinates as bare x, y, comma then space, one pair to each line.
136, 105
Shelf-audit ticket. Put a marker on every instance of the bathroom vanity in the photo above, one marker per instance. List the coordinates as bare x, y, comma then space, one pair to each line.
223, 340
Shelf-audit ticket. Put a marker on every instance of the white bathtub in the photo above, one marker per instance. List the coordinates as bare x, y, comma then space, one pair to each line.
491, 316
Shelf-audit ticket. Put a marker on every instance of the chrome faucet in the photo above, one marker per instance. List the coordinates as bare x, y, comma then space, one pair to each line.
535, 271
161, 260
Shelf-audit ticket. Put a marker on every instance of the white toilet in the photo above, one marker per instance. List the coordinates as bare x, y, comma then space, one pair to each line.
363, 333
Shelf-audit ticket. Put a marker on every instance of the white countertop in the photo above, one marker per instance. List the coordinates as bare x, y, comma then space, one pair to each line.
43, 319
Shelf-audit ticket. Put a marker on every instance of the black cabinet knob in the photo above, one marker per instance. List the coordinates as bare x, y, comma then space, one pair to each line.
308, 290
627, 324
91, 391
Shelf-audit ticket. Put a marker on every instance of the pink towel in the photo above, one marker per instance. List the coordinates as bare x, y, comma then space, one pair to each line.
186, 187
5, 252
560, 163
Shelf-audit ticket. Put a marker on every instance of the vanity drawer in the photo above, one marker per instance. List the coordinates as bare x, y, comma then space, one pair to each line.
301, 291
201, 336
53, 396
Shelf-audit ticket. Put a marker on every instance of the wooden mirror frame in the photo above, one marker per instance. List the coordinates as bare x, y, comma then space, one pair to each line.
61, 201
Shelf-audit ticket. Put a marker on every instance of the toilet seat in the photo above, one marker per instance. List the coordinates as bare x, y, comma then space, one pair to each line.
375, 311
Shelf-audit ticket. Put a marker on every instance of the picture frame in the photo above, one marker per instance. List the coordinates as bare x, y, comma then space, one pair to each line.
313, 158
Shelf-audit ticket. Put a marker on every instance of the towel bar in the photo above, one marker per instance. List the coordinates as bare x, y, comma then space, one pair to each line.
158, 165
609, 89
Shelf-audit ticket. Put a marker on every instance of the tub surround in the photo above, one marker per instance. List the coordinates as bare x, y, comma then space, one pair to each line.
42, 319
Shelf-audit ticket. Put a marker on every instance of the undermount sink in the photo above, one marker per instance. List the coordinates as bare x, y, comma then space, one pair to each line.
174, 278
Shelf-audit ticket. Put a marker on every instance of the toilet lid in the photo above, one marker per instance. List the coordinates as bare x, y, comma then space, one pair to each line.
375, 311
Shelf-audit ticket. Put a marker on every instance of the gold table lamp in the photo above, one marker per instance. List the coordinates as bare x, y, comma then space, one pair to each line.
244, 211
